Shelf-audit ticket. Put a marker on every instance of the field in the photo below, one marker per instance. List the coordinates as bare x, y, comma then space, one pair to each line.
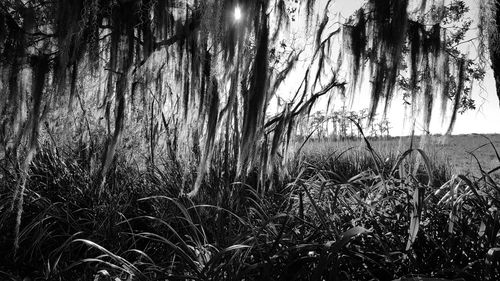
343, 211
456, 151
459, 151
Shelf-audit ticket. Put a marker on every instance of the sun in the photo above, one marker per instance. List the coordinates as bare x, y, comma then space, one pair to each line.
237, 13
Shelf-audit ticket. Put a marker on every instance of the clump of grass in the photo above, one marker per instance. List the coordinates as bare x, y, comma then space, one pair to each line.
352, 214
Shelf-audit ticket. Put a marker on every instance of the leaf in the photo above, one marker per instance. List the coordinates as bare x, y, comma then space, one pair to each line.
492, 256
346, 237
126, 266
482, 229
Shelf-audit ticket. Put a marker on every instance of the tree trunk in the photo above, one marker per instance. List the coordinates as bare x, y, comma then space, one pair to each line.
494, 49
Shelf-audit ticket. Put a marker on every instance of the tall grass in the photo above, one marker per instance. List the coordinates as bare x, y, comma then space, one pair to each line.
361, 213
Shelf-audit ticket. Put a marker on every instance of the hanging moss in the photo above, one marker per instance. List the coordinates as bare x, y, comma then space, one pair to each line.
145, 28
355, 41
13, 58
170, 54
40, 66
388, 29
211, 131
321, 28
415, 39
428, 97
121, 60
254, 101
69, 33
458, 93
185, 97
206, 73
283, 18
432, 42
280, 131
445, 76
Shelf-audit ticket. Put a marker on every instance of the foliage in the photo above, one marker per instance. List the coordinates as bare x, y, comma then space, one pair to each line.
343, 215
340, 125
426, 62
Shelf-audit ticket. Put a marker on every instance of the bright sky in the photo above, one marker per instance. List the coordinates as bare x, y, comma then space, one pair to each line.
483, 120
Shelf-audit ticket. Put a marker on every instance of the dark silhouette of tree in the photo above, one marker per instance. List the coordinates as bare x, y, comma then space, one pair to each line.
490, 37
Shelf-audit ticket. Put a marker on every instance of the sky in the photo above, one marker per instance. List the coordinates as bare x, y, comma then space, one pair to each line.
483, 120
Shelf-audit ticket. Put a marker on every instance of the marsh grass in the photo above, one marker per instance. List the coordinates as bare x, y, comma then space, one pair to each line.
351, 212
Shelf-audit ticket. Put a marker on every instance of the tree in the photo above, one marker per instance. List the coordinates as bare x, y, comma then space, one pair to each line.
489, 36
455, 25
384, 129
334, 116
318, 123
414, 51
176, 70
149, 55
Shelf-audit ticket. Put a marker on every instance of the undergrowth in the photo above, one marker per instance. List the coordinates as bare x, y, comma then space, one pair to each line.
346, 215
